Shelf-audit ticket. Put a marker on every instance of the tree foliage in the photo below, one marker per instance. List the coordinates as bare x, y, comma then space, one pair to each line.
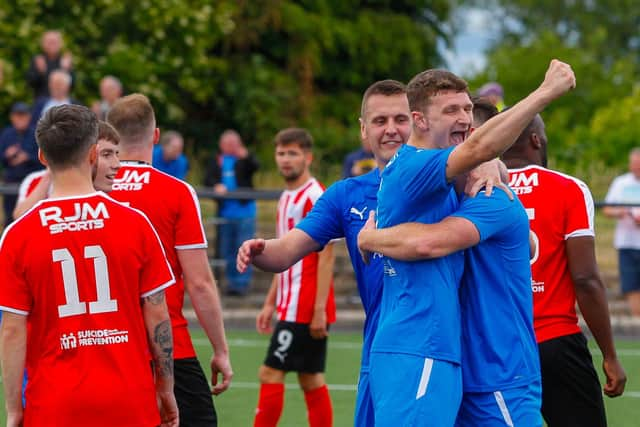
609, 29
256, 66
600, 40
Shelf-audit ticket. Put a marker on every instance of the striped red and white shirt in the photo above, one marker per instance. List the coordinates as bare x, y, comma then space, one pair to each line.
297, 286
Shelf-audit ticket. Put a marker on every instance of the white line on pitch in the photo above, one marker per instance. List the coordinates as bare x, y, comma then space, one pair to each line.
353, 387
290, 386
621, 352
241, 342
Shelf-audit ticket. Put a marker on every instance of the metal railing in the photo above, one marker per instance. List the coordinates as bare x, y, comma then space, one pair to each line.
203, 193
207, 193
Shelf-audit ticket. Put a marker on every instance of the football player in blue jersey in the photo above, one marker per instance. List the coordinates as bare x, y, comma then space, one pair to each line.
341, 212
415, 373
500, 364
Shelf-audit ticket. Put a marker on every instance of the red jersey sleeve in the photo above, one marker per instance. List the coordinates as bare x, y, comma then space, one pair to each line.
579, 209
155, 274
15, 295
189, 231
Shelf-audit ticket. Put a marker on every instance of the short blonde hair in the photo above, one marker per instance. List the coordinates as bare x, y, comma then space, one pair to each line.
133, 117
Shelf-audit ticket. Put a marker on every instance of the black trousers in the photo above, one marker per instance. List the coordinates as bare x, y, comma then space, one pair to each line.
193, 394
571, 391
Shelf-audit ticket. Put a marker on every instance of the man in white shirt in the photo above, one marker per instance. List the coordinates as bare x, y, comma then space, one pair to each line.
626, 189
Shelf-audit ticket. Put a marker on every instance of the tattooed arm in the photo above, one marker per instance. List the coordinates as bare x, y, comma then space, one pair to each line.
156, 319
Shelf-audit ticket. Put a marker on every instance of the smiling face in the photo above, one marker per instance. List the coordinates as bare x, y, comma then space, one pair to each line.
447, 119
385, 125
107, 166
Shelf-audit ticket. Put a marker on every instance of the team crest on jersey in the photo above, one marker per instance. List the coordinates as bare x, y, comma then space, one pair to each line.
84, 216
131, 180
523, 184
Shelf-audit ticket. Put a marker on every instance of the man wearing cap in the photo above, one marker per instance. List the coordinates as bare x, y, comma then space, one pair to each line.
18, 152
493, 92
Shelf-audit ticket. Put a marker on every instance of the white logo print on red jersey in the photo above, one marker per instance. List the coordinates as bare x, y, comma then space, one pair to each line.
131, 180
523, 184
83, 217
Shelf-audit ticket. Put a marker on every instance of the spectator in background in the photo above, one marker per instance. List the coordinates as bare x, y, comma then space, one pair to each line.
59, 87
168, 156
494, 92
233, 169
19, 152
110, 92
359, 162
626, 189
43, 64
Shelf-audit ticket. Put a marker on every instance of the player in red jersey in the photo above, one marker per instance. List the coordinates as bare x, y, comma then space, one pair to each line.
83, 306
173, 208
37, 185
564, 270
302, 296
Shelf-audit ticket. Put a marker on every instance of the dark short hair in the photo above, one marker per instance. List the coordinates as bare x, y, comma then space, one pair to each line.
133, 118
299, 136
382, 87
429, 83
483, 109
65, 134
108, 132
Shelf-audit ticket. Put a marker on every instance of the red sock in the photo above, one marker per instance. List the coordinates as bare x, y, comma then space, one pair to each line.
319, 410
270, 405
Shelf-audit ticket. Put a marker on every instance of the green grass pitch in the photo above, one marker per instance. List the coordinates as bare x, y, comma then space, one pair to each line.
236, 406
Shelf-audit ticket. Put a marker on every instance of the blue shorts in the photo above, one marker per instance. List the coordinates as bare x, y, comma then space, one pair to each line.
511, 407
629, 267
364, 404
414, 391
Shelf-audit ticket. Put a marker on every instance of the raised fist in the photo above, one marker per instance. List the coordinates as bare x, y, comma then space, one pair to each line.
558, 80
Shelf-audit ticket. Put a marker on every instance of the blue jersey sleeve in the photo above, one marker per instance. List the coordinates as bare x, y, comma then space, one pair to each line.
490, 214
324, 222
425, 171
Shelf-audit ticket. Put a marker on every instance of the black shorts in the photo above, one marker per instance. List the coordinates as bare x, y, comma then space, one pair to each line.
193, 394
571, 392
293, 349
